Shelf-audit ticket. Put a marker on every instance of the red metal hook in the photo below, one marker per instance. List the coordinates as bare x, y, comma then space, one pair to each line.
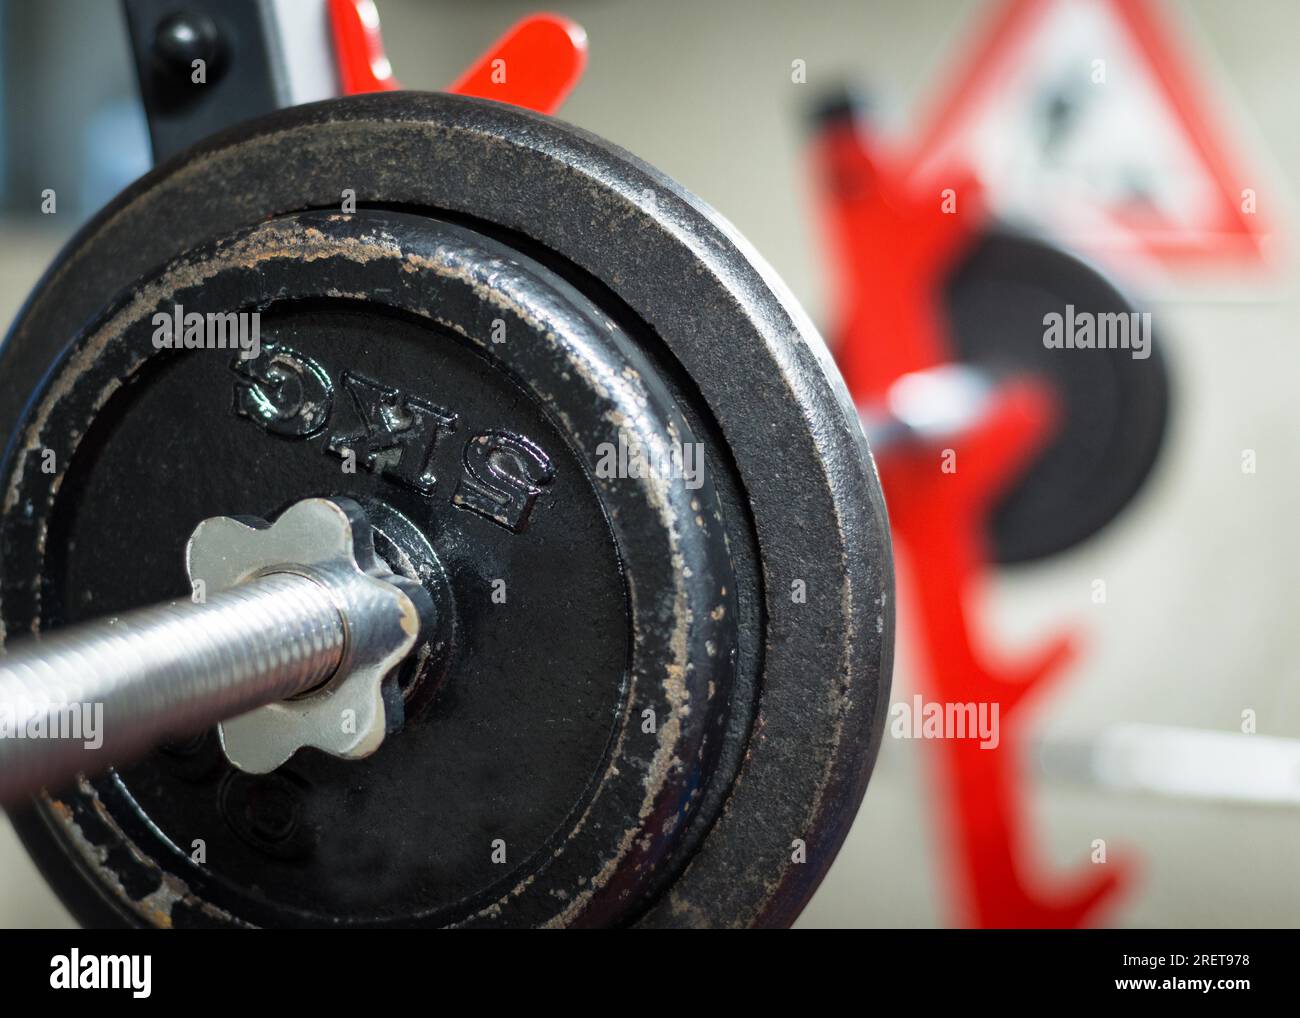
893, 242
535, 64
359, 48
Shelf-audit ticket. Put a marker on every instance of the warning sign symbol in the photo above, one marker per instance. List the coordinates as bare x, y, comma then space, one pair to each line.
1091, 116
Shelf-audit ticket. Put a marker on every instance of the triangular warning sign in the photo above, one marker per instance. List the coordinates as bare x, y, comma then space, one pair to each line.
1089, 115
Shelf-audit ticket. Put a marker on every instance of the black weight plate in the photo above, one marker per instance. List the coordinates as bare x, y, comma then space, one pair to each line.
534, 736
698, 833
533, 739
1114, 408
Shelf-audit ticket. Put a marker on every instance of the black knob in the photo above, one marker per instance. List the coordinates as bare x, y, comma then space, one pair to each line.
184, 37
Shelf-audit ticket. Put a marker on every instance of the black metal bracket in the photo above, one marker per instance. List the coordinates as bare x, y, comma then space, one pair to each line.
204, 65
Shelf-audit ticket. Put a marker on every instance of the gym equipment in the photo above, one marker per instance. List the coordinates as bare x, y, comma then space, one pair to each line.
300, 607
587, 435
950, 285
995, 446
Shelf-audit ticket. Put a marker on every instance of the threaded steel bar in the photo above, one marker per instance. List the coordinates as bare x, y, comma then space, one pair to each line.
92, 695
